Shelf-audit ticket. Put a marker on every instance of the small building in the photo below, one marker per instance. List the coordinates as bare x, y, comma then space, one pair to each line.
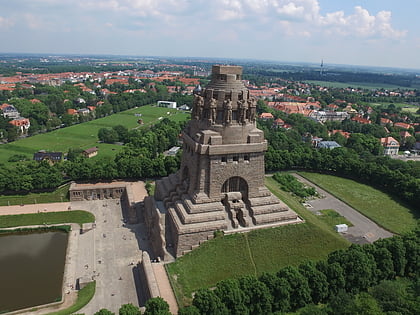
91, 152
328, 145
23, 124
51, 157
391, 146
166, 104
173, 151
266, 116
340, 228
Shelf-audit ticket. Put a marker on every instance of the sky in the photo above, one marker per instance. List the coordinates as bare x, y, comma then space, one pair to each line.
370, 32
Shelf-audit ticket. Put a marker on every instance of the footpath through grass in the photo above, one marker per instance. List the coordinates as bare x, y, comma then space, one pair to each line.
83, 298
61, 194
376, 205
259, 251
74, 216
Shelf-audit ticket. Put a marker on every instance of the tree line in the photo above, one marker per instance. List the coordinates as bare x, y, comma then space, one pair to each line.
337, 285
141, 157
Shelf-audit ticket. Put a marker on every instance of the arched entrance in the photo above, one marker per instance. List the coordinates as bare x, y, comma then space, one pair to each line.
236, 183
235, 193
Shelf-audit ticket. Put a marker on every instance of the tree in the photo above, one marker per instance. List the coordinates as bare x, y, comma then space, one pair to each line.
189, 310
300, 294
104, 311
232, 296
280, 291
257, 296
107, 135
157, 306
335, 276
129, 309
358, 267
317, 281
208, 303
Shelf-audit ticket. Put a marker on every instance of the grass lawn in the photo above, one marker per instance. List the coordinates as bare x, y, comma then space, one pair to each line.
75, 216
332, 218
253, 253
374, 204
59, 195
83, 298
85, 135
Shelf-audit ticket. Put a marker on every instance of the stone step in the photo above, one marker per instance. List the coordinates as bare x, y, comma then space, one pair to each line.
188, 218
201, 208
274, 217
271, 208
195, 227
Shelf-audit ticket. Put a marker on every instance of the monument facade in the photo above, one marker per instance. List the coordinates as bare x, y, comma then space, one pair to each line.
220, 184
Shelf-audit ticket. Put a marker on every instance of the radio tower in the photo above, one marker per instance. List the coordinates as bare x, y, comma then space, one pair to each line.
321, 72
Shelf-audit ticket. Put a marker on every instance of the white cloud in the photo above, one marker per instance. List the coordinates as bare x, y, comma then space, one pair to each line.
6, 22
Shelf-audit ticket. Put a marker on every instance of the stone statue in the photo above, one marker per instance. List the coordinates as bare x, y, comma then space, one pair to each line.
213, 106
241, 111
198, 106
252, 109
228, 111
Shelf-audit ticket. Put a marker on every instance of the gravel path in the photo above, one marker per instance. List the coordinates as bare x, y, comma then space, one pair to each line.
364, 229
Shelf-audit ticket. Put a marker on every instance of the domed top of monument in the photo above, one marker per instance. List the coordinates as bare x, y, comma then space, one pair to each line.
226, 78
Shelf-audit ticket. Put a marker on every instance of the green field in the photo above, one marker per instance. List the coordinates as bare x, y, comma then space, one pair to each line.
58, 195
332, 218
253, 253
363, 85
408, 108
74, 216
376, 205
85, 135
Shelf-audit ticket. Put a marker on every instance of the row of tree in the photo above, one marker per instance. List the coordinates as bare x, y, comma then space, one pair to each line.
141, 157
346, 272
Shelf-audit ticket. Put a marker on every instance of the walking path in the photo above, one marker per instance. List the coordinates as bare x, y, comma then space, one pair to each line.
165, 288
364, 229
35, 208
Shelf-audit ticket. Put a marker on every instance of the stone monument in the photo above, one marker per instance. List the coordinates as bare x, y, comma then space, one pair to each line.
220, 184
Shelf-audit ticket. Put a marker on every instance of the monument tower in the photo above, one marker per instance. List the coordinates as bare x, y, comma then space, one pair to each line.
220, 184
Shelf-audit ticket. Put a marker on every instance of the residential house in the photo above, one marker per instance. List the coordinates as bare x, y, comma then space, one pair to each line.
361, 120
386, 121
23, 124
402, 125
9, 111
51, 157
328, 145
91, 152
278, 123
266, 116
391, 146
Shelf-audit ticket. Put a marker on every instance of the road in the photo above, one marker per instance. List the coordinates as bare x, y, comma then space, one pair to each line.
364, 229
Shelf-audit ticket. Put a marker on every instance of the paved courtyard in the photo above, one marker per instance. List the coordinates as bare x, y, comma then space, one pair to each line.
109, 254
364, 229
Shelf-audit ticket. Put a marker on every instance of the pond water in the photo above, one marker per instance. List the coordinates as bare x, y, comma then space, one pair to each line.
31, 268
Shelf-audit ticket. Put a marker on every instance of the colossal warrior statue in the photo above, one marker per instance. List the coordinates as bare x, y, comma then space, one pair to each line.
220, 184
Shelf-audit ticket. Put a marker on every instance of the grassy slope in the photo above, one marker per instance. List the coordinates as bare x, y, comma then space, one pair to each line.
254, 253
83, 298
58, 195
85, 135
75, 216
374, 204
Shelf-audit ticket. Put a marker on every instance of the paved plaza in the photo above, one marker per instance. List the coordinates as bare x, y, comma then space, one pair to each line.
110, 253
